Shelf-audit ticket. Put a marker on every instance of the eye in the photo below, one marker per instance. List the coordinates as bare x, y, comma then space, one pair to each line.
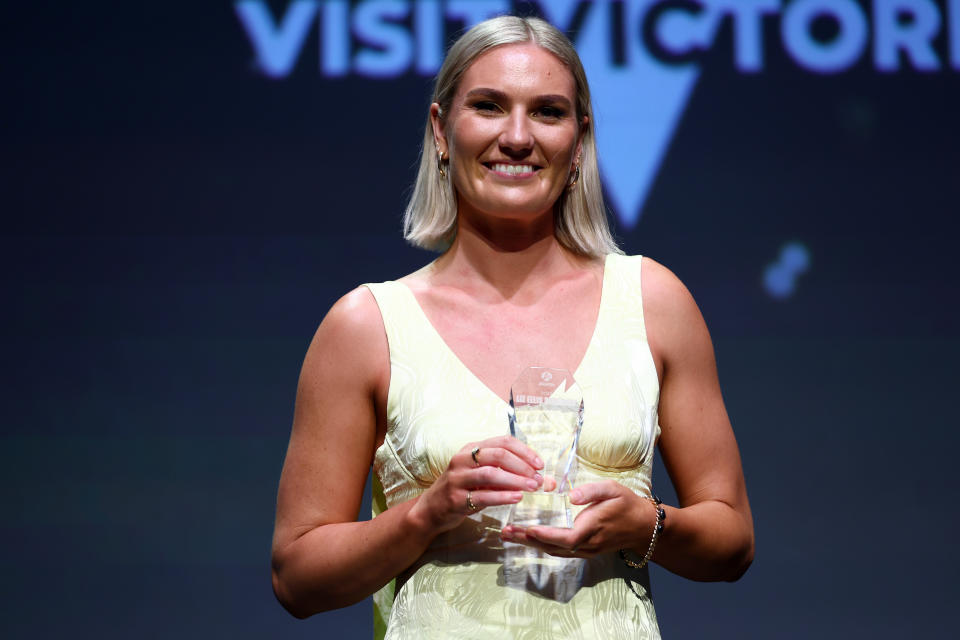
549, 112
486, 106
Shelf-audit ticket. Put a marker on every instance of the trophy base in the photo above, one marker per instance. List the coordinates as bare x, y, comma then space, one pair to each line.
543, 509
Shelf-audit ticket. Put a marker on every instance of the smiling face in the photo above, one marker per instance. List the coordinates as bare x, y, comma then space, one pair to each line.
512, 133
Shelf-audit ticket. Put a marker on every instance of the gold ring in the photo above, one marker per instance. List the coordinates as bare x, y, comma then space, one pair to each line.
475, 454
472, 507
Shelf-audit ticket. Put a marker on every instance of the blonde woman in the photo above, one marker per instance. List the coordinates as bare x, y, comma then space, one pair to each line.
413, 376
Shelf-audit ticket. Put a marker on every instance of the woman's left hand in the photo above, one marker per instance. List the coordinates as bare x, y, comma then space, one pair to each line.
616, 518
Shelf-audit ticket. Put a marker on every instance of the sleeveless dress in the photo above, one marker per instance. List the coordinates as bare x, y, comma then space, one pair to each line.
461, 587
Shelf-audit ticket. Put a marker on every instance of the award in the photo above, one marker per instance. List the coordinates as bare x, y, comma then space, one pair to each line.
546, 414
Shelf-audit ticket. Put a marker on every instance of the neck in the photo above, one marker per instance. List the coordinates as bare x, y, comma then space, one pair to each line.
506, 260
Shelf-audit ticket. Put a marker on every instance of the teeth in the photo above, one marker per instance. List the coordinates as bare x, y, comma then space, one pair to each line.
513, 169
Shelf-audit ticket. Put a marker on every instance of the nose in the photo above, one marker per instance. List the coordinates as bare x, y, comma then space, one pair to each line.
516, 139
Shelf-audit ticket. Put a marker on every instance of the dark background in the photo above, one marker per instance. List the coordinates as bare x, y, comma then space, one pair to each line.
177, 224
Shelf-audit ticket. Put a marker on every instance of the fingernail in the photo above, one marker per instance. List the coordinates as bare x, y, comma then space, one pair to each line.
516, 497
506, 535
537, 461
538, 478
533, 484
575, 495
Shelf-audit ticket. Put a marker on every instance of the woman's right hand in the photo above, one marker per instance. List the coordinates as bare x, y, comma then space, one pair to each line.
501, 471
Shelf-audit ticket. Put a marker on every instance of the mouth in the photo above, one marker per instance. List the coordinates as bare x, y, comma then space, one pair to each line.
512, 170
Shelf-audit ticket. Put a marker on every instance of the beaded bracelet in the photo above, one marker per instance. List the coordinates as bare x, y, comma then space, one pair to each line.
657, 529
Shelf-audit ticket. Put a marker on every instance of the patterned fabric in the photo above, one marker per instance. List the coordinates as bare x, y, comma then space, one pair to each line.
465, 585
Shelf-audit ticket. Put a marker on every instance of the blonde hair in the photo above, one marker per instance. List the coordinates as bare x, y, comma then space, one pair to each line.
430, 219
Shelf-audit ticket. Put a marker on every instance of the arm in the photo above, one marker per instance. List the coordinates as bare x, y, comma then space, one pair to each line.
322, 558
710, 536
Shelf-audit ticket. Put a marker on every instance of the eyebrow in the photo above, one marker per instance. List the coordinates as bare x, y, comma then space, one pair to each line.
500, 95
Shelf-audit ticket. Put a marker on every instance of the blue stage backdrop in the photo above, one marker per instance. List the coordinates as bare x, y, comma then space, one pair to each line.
188, 187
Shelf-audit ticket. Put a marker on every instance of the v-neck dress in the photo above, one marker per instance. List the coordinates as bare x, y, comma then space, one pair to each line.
465, 585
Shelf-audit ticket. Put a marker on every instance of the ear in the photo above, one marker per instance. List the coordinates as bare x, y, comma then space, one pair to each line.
439, 135
583, 131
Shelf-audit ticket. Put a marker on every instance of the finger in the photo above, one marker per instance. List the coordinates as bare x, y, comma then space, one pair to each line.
506, 460
481, 499
549, 484
521, 536
556, 537
596, 492
516, 447
512, 533
495, 478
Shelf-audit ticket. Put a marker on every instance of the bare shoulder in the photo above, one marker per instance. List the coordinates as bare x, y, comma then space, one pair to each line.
351, 339
355, 315
675, 327
667, 302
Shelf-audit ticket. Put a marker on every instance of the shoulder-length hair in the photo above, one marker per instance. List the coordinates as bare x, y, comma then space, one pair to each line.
430, 220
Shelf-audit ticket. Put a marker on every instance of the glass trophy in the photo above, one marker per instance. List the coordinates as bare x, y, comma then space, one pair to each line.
546, 414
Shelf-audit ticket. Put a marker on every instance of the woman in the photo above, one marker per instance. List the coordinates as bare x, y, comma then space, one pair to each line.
414, 376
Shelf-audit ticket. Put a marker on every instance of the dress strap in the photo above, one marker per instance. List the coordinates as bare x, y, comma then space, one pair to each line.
626, 295
401, 318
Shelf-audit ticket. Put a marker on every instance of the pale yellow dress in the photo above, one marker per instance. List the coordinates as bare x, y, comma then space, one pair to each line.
435, 405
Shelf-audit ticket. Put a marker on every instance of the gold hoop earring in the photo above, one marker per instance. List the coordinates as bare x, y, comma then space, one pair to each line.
576, 177
440, 167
